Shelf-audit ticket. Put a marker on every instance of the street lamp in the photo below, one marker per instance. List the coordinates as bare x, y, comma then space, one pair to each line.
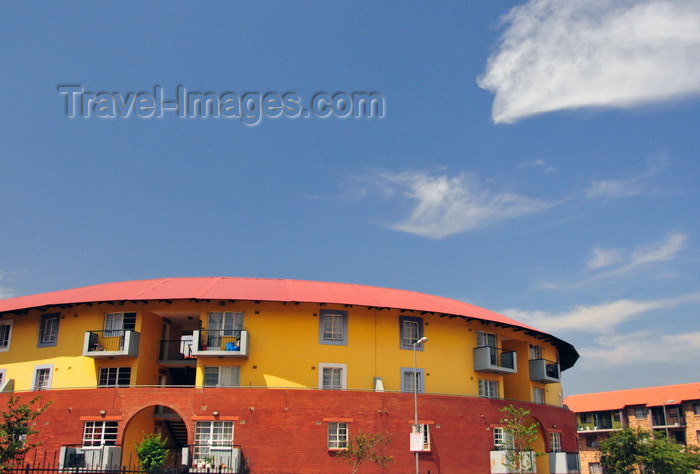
415, 395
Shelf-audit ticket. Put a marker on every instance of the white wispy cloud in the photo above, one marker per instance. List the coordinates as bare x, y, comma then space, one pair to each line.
633, 348
444, 205
600, 258
539, 163
662, 251
601, 319
604, 263
5, 292
617, 188
558, 55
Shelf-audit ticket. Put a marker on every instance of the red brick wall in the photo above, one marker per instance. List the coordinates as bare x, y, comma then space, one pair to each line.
284, 430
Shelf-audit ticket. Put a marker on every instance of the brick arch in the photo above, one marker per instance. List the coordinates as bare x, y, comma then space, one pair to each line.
140, 421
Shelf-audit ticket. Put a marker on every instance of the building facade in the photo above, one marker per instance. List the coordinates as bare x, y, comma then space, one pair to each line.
278, 375
673, 410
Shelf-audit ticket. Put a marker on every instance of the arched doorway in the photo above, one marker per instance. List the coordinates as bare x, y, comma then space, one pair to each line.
156, 419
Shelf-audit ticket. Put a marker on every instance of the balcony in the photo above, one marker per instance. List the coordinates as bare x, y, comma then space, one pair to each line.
112, 343
544, 371
564, 462
670, 417
220, 343
495, 360
500, 459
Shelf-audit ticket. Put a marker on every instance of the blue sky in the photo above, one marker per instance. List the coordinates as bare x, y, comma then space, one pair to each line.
537, 158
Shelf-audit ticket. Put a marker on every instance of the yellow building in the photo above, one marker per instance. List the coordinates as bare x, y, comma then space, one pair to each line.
156, 355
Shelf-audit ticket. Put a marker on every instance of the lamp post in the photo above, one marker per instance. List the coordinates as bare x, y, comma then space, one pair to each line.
415, 394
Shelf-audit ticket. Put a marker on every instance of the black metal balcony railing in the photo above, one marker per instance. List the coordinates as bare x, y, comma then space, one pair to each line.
659, 420
219, 339
112, 340
176, 349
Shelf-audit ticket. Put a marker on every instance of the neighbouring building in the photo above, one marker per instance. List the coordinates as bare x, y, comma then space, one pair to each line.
673, 410
277, 375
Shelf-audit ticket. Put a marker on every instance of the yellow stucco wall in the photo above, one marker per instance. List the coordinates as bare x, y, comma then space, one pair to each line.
284, 348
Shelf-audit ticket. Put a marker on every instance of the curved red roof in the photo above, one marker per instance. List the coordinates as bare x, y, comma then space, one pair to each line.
261, 289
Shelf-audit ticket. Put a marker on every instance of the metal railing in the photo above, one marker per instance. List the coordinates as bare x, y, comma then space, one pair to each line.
176, 349
500, 357
219, 339
111, 340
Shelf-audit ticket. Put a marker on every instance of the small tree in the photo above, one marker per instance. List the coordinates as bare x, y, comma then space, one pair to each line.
152, 452
522, 434
365, 447
15, 429
635, 449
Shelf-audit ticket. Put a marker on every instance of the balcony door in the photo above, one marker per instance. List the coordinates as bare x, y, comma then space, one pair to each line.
223, 324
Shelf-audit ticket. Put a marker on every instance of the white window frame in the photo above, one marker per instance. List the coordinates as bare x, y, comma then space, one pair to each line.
48, 369
594, 468
502, 440
325, 367
418, 375
100, 433
48, 329
537, 395
411, 330
486, 339
2, 377
338, 435
226, 376
535, 352
489, 388
555, 442
5, 345
212, 436
114, 324
333, 327
118, 371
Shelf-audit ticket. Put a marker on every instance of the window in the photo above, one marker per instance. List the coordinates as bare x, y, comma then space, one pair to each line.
5, 334
334, 327
48, 330
594, 468
114, 377
337, 435
100, 433
42, 377
2, 377
535, 352
538, 395
592, 441
332, 376
485, 339
640, 413
555, 442
697, 435
117, 323
585, 417
222, 376
210, 437
488, 388
223, 325
411, 331
696, 408
502, 440
411, 380
425, 429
